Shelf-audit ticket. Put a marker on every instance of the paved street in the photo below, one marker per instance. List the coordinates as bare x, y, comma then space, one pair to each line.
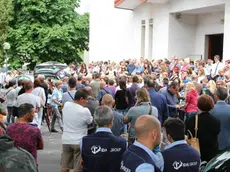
49, 158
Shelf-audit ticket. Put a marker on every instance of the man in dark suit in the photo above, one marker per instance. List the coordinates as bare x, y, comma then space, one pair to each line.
222, 112
157, 100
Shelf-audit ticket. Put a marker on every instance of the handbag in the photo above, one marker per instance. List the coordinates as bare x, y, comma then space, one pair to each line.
194, 141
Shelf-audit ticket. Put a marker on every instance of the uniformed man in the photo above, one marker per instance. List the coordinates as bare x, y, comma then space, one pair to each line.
176, 154
102, 151
140, 156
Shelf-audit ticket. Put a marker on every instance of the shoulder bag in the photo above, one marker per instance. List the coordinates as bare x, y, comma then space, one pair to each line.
194, 141
70, 95
151, 108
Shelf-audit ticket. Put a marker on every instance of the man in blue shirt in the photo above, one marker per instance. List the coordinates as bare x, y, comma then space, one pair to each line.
171, 95
138, 69
157, 100
179, 156
103, 91
130, 67
140, 157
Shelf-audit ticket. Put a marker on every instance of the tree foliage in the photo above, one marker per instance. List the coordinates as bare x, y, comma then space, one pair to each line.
6, 9
45, 30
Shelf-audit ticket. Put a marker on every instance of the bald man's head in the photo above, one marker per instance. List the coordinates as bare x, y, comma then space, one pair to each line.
148, 127
107, 100
89, 89
102, 84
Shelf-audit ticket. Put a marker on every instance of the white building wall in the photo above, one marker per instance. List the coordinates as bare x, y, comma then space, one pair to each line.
143, 12
182, 35
207, 24
184, 5
226, 53
160, 31
111, 35
160, 16
115, 34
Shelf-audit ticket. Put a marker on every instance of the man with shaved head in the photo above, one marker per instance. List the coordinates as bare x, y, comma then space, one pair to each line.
140, 156
118, 121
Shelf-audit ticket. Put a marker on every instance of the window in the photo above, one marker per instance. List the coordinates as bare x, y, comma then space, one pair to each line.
150, 38
143, 38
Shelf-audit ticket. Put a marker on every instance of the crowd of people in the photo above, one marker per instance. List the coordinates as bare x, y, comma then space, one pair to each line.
133, 116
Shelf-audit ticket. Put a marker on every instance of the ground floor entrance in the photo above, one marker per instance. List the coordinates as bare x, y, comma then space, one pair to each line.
214, 45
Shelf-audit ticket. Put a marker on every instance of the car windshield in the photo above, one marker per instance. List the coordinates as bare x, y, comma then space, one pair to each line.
218, 161
49, 69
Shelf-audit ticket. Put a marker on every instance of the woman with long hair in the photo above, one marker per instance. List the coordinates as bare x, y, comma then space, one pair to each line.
40, 92
143, 106
212, 86
83, 70
201, 75
186, 64
191, 108
122, 97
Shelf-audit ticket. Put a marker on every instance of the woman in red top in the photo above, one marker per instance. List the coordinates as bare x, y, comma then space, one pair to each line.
191, 108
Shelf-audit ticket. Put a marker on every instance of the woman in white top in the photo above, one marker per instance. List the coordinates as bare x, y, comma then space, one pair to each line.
40, 92
10, 98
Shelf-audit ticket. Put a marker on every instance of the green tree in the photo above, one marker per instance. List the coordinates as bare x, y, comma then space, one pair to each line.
6, 9
44, 30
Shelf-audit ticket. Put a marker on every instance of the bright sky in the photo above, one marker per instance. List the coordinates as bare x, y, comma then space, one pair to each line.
84, 6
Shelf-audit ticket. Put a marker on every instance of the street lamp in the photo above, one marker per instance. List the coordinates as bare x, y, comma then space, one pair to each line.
6, 47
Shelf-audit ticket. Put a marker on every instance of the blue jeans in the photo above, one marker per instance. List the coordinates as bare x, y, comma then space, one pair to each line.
124, 112
189, 115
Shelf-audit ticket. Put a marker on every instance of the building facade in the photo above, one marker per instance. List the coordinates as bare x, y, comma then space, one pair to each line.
159, 29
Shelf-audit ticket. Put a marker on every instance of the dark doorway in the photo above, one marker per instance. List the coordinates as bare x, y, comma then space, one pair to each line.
215, 45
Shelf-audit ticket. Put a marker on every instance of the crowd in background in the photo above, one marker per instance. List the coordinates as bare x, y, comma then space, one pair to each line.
121, 99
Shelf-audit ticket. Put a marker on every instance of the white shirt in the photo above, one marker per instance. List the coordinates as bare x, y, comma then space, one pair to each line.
96, 69
29, 98
40, 92
208, 69
10, 97
2, 78
76, 120
8, 78
216, 67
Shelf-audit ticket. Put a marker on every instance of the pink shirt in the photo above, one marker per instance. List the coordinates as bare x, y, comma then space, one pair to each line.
191, 101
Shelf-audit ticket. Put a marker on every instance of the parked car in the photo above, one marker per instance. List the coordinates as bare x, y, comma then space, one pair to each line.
49, 69
220, 163
24, 77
